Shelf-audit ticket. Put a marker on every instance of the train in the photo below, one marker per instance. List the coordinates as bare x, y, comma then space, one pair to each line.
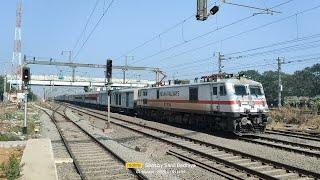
235, 104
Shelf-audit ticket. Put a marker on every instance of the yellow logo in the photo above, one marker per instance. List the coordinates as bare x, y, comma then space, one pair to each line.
136, 165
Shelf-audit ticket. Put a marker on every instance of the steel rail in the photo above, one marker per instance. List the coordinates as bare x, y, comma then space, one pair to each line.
66, 144
134, 171
313, 137
205, 166
306, 146
300, 151
196, 141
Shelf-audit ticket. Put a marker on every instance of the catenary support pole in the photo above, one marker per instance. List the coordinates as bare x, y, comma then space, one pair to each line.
279, 82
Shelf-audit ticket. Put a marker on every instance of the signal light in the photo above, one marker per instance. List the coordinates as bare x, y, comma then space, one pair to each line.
202, 14
214, 10
26, 74
109, 69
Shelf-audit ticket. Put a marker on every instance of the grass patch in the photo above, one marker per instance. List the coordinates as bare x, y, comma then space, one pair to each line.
9, 137
12, 168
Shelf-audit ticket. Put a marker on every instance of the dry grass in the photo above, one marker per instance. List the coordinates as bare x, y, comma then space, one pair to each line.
294, 117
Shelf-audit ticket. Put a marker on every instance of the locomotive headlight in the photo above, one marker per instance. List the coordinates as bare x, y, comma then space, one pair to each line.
244, 121
269, 120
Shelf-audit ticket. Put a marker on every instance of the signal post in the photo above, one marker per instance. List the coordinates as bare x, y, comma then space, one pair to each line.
25, 78
108, 88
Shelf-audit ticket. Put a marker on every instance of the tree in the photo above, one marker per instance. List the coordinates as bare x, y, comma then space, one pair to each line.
252, 74
305, 82
32, 97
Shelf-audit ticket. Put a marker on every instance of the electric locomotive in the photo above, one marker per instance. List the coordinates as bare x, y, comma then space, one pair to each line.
234, 104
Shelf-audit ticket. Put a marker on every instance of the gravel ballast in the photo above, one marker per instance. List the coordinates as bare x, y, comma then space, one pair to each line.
48, 130
290, 158
135, 147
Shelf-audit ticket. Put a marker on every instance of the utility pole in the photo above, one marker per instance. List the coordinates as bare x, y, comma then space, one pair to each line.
70, 61
44, 94
126, 68
220, 58
5, 88
279, 82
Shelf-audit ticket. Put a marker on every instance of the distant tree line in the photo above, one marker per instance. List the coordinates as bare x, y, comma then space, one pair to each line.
305, 82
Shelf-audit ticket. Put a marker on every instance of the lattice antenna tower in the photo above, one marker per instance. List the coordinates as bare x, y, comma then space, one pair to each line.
17, 55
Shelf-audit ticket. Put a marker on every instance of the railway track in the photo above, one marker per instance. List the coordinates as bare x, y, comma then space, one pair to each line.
306, 136
231, 163
91, 158
300, 148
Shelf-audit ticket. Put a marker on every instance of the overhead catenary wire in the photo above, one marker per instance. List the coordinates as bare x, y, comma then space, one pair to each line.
241, 68
94, 28
297, 47
276, 44
162, 33
86, 25
202, 35
253, 49
238, 34
194, 38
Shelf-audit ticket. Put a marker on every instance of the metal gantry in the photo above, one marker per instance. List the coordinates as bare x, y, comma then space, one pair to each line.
36, 61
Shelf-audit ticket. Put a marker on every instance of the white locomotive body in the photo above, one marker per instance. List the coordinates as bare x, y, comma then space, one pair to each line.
234, 104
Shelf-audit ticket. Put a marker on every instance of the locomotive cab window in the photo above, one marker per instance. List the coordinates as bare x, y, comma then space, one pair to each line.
240, 90
193, 94
214, 90
255, 90
222, 90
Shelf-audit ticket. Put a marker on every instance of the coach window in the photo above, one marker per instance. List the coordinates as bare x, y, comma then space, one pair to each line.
116, 99
157, 93
120, 99
215, 91
222, 91
193, 94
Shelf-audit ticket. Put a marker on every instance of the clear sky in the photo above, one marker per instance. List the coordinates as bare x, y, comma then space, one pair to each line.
185, 52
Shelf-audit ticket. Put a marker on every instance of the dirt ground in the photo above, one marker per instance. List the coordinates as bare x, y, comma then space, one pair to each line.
5, 153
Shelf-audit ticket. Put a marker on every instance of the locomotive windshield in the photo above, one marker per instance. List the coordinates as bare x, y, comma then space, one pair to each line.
240, 90
255, 90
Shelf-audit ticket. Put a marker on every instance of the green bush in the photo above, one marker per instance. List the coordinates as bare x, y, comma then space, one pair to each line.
4, 138
12, 168
9, 137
